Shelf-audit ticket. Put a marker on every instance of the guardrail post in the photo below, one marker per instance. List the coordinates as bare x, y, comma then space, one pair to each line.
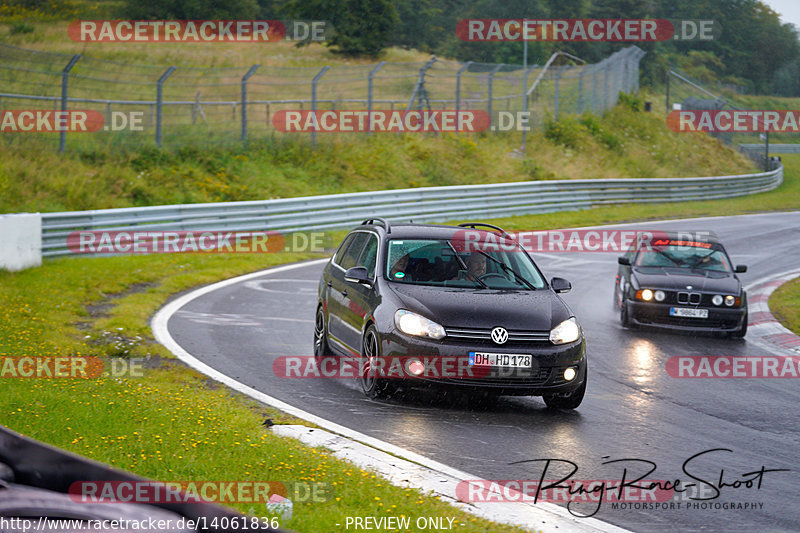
464, 67
159, 101
244, 100
491, 83
62, 137
370, 77
314, 101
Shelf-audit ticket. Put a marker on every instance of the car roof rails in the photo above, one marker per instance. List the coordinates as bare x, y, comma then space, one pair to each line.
374, 220
476, 225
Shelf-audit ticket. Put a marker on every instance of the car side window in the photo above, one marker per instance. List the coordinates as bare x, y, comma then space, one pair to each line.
337, 259
353, 251
369, 255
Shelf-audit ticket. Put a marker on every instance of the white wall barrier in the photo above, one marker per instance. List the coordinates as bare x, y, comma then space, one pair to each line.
20, 241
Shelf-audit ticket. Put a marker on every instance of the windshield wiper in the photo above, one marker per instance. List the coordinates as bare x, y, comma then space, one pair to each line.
465, 268
509, 269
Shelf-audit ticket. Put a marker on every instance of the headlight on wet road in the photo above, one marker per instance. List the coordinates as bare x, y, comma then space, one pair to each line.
566, 332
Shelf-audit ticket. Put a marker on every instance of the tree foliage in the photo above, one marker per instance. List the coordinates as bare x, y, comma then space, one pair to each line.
754, 47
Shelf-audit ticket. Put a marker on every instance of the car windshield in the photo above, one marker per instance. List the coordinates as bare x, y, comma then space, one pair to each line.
705, 257
445, 263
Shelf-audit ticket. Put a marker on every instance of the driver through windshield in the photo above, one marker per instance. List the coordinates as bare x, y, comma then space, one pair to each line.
447, 264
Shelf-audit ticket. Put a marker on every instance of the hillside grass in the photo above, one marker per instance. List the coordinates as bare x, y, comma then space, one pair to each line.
622, 144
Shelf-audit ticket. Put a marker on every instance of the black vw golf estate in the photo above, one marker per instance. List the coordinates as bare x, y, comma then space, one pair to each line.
462, 298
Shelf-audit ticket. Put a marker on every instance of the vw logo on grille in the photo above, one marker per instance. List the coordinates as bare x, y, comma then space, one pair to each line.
499, 335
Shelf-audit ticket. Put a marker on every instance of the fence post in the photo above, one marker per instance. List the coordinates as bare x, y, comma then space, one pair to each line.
464, 67
370, 77
159, 102
559, 70
668, 77
605, 88
314, 101
491, 83
62, 138
419, 89
580, 90
244, 100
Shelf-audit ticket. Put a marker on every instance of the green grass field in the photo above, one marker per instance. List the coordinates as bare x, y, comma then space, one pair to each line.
785, 305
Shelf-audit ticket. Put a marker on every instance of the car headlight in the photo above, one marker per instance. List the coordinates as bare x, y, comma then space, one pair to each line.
660, 295
566, 332
419, 326
644, 294
730, 300
716, 299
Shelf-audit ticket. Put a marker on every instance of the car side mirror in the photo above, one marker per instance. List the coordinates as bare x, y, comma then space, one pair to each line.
560, 285
622, 260
358, 275
740, 269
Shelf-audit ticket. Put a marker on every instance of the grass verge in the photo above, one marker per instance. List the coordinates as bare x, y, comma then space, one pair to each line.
785, 305
171, 424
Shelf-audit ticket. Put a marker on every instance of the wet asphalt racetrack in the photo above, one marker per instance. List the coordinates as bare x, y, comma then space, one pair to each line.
632, 410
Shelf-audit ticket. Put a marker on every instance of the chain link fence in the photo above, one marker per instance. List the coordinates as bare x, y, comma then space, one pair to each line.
191, 106
686, 93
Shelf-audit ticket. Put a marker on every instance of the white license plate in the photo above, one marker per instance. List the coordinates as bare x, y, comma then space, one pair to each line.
688, 312
499, 359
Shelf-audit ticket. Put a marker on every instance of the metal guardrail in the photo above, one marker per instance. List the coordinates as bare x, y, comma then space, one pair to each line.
427, 204
774, 148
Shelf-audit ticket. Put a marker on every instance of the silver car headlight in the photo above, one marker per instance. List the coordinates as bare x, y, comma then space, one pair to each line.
417, 325
566, 332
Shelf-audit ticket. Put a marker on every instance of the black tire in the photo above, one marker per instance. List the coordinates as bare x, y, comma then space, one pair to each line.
742, 331
373, 386
570, 401
624, 319
321, 348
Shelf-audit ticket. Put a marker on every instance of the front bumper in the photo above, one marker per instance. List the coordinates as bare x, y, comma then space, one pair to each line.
720, 319
545, 375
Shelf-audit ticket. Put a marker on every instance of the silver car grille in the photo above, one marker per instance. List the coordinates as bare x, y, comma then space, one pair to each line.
485, 334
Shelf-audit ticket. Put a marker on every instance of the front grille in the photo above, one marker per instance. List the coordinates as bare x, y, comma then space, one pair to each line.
689, 298
483, 334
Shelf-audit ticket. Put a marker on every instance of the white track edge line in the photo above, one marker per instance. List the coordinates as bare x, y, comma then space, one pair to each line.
161, 333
